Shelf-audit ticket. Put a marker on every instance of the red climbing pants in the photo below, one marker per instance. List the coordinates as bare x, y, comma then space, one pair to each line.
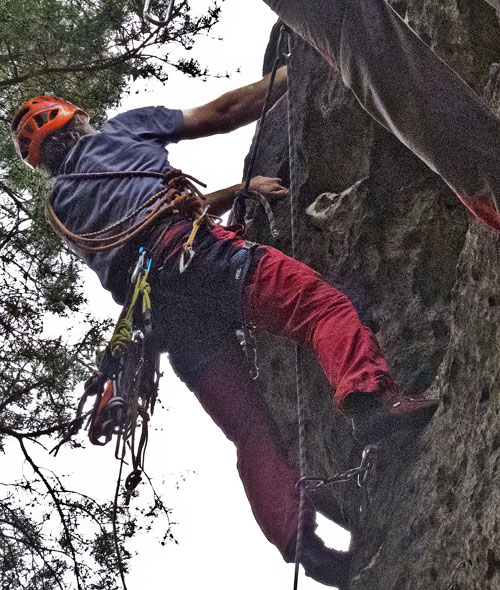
233, 400
409, 90
288, 299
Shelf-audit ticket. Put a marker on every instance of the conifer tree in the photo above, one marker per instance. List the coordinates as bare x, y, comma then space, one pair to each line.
89, 52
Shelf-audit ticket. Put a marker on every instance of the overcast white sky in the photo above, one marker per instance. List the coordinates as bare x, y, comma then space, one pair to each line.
220, 545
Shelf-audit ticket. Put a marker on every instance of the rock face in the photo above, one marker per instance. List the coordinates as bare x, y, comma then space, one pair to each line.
425, 277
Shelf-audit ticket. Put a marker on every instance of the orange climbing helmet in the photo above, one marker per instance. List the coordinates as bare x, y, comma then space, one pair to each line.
35, 120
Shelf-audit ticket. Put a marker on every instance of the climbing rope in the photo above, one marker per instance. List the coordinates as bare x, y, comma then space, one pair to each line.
301, 404
239, 203
309, 483
179, 187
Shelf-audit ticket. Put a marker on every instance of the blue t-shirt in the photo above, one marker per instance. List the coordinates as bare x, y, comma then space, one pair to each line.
134, 140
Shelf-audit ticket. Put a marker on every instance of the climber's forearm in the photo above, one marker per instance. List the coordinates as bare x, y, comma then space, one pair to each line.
233, 109
271, 188
222, 200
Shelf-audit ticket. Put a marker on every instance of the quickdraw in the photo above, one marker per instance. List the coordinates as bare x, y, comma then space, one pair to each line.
188, 252
239, 209
125, 385
360, 473
132, 386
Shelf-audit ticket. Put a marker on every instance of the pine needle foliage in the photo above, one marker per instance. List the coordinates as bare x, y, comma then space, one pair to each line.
89, 52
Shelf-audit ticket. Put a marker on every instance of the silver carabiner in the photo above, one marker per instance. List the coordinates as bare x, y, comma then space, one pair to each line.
183, 263
366, 463
204, 213
139, 267
150, 18
188, 246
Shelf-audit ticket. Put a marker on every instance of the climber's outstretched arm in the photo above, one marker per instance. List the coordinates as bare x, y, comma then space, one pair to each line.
233, 109
404, 86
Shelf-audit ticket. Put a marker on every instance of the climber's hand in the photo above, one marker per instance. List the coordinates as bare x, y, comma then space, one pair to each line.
271, 188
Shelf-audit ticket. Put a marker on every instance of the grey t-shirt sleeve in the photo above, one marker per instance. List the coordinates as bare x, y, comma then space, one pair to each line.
155, 124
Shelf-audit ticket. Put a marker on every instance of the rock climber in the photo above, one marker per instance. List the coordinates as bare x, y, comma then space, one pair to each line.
409, 90
103, 182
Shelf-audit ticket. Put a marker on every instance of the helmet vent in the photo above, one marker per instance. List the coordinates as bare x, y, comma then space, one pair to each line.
17, 120
53, 114
40, 119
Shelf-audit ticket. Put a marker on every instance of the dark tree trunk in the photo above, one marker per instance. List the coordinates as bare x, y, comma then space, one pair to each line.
425, 277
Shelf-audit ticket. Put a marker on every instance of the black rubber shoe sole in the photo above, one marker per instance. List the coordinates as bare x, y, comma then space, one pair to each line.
403, 414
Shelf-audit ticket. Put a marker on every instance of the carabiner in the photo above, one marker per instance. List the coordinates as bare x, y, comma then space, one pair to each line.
183, 263
143, 264
204, 213
188, 249
366, 463
150, 18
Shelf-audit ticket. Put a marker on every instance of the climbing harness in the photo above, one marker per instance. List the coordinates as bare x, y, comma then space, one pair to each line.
150, 18
125, 385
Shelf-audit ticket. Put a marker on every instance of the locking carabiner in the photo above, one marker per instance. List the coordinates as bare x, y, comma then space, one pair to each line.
150, 18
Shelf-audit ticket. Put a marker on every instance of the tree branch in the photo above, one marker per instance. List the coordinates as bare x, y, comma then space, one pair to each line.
95, 66
43, 432
57, 504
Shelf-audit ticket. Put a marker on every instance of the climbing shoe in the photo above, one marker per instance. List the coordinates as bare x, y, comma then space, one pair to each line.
326, 566
377, 416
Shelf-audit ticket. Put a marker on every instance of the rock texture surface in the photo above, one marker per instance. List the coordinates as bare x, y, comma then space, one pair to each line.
425, 277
